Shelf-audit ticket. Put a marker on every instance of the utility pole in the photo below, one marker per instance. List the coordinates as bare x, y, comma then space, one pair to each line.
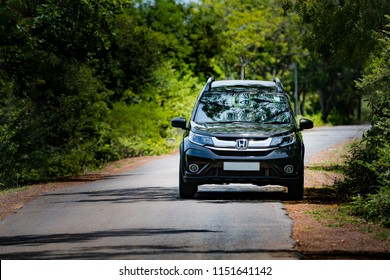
243, 70
295, 66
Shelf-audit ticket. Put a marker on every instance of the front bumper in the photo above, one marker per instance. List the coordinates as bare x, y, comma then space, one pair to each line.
281, 166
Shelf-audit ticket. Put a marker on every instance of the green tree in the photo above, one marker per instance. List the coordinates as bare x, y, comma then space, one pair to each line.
259, 38
204, 27
367, 180
167, 19
133, 55
372, 157
52, 102
341, 37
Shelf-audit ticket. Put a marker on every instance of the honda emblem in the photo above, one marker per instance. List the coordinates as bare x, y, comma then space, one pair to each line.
241, 144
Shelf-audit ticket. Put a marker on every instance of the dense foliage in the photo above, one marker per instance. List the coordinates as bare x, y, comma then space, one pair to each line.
84, 82
350, 39
52, 102
341, 36
367, 180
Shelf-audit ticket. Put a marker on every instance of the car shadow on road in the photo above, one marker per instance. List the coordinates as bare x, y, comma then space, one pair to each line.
40, 246
240, 196
145, 194
34, 246
117, 195
147, 252
241, 193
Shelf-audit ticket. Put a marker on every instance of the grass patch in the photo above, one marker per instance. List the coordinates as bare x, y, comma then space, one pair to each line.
321, 195
333, 216
332, 213
383, 234
327, 167
5, 190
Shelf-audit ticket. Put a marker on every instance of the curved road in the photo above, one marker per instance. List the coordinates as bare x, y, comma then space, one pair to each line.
138, 215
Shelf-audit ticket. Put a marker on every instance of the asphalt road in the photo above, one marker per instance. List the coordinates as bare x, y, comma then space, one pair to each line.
323, 138
138, 215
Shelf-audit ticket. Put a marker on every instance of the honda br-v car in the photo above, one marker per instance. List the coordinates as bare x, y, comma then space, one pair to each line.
242, 131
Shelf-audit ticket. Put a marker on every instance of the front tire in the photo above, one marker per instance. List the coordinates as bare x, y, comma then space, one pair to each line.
186, 190
296, 191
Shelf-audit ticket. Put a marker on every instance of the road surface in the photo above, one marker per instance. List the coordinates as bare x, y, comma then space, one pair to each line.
138, 215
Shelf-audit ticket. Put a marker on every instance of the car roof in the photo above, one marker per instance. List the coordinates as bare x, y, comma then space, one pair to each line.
273, 86
225, 83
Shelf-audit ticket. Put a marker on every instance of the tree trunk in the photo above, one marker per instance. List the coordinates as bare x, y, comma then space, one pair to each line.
325, 98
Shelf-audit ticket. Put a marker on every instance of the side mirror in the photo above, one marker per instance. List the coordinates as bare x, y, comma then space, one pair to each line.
305, 124
179, 122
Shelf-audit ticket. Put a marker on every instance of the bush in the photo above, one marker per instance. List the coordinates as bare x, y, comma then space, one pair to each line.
374, 207
368, 168
367, 172
53, 130
142, 128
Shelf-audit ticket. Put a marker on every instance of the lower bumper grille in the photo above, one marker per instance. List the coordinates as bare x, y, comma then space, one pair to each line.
241, 153
265, 172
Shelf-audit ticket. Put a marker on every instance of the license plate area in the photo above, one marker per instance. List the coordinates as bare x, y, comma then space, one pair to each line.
241, 166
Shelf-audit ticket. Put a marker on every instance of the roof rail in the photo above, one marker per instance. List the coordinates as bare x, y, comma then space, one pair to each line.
278, 85
208, 84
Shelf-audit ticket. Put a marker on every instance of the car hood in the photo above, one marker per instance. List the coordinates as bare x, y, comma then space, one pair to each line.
242, 129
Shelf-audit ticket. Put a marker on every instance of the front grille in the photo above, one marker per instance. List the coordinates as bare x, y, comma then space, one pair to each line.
233, 153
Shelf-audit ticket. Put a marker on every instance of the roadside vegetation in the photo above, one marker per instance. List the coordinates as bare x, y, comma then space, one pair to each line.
366, 187
323, 225
84, 83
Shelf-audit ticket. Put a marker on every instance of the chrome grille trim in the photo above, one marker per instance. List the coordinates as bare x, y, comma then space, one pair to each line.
247, 150
252, 144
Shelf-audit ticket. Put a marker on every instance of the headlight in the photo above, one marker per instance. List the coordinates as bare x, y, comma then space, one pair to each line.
201, 139
283, 140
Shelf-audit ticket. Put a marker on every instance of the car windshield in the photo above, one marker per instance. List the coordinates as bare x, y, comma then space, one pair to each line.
242, 104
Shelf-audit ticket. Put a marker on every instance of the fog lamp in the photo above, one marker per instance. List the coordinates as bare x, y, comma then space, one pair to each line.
289, 169
193, 168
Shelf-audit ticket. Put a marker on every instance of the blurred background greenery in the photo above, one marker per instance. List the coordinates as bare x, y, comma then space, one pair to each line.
86, 82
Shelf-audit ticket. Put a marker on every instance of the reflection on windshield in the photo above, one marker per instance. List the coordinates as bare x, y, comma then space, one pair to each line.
243, 105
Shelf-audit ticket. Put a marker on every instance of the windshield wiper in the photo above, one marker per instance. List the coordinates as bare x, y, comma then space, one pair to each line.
216, 122
275, 122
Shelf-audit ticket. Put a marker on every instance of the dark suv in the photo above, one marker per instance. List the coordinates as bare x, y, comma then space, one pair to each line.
242, 131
